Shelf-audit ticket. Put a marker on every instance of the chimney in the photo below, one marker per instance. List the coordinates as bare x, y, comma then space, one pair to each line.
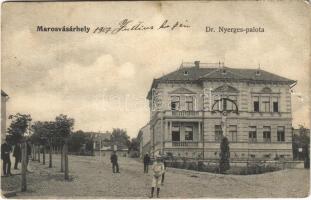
197, 64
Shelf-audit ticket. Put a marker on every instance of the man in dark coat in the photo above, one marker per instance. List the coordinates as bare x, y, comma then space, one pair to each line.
146, 163
17, 154
5, 156
114, 161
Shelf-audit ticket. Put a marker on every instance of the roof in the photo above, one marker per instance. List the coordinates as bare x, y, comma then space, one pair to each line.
197, 74
4, 94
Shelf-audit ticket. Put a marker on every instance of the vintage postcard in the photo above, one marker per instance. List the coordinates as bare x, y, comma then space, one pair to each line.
155, 99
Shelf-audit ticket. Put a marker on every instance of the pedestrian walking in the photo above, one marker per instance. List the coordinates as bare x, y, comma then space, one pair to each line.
17, 153
157, 170
5, 156
114, 161
146, 163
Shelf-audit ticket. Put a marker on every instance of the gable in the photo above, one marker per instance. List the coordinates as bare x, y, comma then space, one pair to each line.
182, 91
226, 88
266, 90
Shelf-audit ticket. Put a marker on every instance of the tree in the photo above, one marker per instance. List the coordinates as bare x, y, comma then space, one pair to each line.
300, 140
134, 145
18, 127
63, 128
78, 139
119, 137
63, 125
224, 155
134, 148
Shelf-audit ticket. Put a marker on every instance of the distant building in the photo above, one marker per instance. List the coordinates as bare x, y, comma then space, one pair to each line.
187, 117
101, 139
144, 140
121, 151
4, 99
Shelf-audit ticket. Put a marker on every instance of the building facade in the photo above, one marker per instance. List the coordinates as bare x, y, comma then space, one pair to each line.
144, 140
194, 107
4, 99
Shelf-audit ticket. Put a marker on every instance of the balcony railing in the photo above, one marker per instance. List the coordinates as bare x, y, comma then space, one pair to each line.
184, 113
184, 144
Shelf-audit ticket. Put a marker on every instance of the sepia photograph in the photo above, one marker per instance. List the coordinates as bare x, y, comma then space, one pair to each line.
155, 99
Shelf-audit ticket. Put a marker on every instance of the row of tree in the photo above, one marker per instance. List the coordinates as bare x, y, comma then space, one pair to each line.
53, 134
40, 132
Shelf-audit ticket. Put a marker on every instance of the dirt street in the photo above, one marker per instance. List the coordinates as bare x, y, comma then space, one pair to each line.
90, 178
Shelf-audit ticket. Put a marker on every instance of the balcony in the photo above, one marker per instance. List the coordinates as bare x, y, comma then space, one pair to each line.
183, 113
185, 144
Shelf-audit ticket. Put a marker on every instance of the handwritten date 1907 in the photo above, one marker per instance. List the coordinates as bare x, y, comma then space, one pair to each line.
127, 25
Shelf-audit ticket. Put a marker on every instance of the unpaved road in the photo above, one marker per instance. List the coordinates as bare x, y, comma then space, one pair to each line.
90, 178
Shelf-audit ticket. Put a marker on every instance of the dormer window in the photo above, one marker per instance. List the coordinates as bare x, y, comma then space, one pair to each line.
257, 73
186, 73
223, 71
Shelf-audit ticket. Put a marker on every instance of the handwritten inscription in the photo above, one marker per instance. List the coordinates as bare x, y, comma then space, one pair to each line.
127, 25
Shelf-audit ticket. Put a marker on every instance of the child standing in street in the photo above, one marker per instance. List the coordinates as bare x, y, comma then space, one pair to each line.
157, 170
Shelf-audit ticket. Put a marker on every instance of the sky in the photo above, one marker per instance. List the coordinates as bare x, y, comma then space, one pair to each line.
102, 80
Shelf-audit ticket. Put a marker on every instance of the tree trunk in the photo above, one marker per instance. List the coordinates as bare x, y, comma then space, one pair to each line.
66, 161
33, 153
62, 160
43, 155
24, 167
50, 157
38, 148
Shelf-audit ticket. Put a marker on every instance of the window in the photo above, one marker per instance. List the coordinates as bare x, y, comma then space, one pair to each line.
266, 104
230, 105
189, 133
218, 133
256, 104
175, 103
281, 134
267, 134
252, 134
175, 133
217, 103
275, 107
233, 133
189, 103
224, 104
275, 104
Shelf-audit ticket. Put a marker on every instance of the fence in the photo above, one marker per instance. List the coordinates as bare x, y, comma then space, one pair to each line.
236, 167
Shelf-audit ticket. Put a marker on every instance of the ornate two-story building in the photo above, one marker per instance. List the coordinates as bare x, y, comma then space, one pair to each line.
192, 108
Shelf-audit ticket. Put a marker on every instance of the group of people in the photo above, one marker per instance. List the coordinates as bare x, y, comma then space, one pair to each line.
6, 150
158, 172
